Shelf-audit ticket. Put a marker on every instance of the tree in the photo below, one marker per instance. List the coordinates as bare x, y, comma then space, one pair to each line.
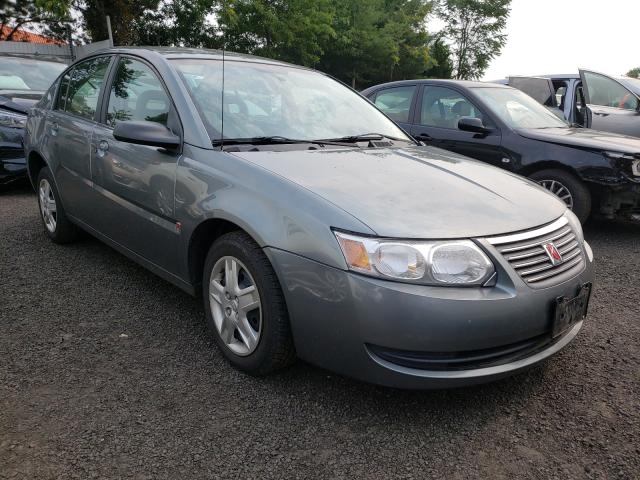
474, 29
180, 23
296, 30
46, 15
634, 73
124, 15
442, 66
377, 41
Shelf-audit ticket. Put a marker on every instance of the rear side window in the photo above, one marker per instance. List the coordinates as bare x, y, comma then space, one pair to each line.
396, 102
84, 88
137, 94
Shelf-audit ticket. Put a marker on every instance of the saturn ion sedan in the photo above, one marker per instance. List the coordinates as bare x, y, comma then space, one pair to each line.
309, 222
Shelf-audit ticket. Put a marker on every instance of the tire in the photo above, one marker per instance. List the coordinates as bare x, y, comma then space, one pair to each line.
233, 326
56, 224
557, 180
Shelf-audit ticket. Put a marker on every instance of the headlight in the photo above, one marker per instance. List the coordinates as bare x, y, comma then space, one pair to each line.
455, 262
575, 225
626, 159
12, 119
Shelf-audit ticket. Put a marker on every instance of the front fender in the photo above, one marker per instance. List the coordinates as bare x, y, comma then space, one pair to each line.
276, 212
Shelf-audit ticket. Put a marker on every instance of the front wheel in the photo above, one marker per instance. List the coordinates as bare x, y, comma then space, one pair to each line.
245, 307
568, 188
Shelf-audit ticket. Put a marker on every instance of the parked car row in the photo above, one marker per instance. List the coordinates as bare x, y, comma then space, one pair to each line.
22, 83
590, 170
311, 224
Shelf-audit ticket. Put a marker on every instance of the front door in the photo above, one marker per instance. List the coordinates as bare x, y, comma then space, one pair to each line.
439, 109
611, 107
70, 126
135, 184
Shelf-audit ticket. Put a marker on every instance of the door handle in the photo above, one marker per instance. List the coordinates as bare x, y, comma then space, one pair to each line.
102, 148
425, 137
54, 129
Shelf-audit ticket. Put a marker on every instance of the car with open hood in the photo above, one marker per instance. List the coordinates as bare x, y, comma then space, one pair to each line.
310, 224
591, 171
23, 81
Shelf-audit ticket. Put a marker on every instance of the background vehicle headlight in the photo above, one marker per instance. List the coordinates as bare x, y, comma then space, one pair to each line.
12, 119
458, 262
627, 161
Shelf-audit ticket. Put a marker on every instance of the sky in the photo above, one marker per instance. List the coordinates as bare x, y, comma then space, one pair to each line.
560, 36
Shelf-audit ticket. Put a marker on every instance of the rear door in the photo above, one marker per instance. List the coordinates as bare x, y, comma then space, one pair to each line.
436, 123
135, 184
70, 127
611, 107
397, 102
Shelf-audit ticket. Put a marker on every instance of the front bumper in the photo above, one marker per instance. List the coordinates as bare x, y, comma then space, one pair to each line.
342, 321
13, 165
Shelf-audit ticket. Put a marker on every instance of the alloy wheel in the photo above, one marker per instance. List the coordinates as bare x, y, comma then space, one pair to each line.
48, 207
235, 305
559, 190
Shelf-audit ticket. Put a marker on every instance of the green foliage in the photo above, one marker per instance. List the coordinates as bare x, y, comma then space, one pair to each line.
474, 29
634, 73
123, 13
179, 23
49, 16
442, 65
297, 31
377, 41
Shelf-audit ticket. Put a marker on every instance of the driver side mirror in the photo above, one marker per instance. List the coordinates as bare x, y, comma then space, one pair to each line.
471, 124
152, 134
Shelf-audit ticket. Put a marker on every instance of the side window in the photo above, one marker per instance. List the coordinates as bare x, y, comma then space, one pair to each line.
608, 93
62, 91
396, 102
443, 107
137, 94
84, 87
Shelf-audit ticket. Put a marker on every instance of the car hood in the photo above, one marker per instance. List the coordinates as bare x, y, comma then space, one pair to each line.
417, 192
19, 100
584, 138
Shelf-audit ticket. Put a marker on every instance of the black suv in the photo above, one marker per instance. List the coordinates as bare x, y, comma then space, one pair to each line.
588, 169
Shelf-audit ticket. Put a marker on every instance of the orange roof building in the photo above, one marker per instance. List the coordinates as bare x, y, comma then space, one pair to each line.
21, 35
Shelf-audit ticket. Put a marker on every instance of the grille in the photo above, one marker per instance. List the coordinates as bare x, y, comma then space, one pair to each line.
526, 254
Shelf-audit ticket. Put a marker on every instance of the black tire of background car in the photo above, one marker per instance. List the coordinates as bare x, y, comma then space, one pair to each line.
65, 231
275, 349
579, 192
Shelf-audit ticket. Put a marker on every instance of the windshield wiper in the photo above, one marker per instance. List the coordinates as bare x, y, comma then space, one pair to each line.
273, 140
365, 137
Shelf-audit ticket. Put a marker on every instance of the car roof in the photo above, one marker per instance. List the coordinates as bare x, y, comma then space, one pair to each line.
202, 53
444, 82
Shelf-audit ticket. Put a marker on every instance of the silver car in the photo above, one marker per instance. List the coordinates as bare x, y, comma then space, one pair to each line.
310, 223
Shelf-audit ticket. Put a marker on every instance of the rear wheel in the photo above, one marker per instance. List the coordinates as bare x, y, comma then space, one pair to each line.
56, 224
245, 307
568, 188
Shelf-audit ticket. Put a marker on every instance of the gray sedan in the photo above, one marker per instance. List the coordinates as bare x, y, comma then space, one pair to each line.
310, 223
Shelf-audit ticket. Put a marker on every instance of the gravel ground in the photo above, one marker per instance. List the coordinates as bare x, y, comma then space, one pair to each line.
106, 371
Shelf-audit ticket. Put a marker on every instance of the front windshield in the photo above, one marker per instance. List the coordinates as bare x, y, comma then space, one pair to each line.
262, 100
28, 74
517, 109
